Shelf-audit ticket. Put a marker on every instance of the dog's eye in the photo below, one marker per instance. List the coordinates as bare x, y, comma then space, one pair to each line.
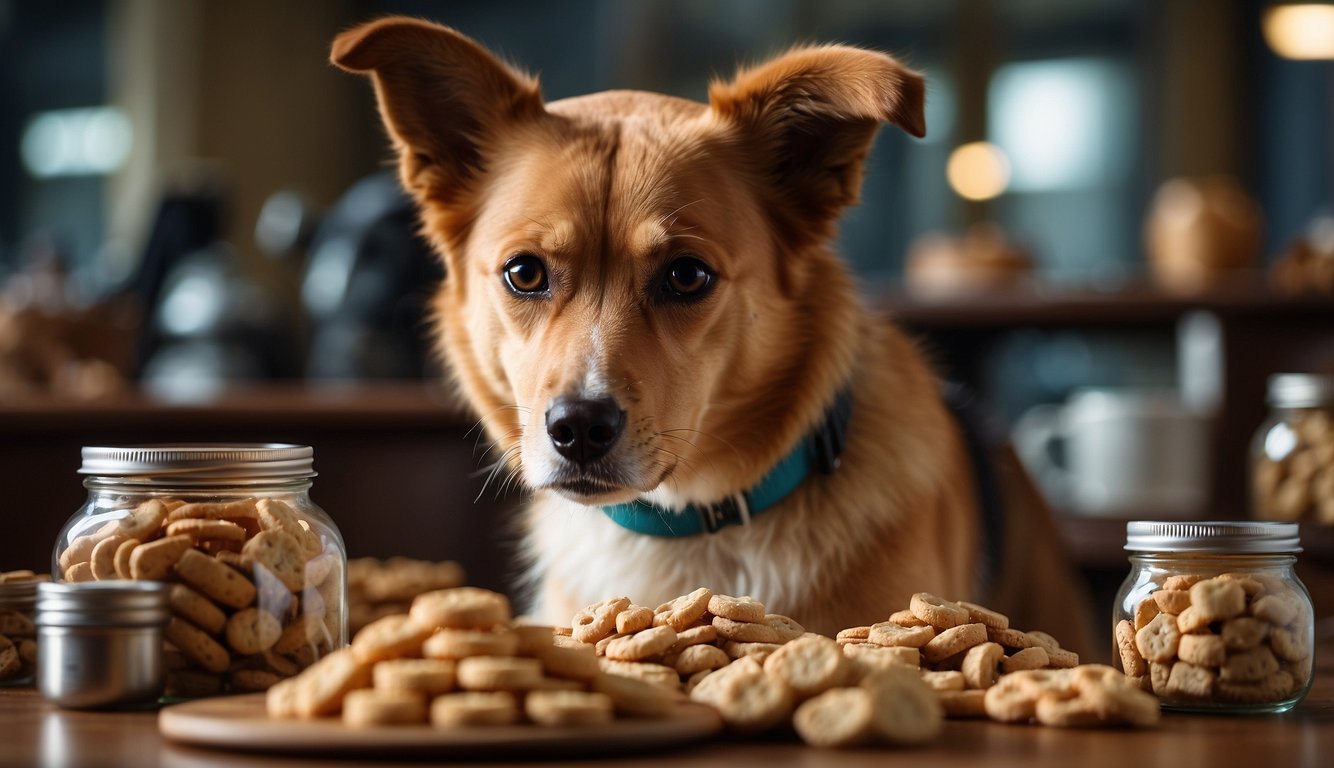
687, 278
526, 273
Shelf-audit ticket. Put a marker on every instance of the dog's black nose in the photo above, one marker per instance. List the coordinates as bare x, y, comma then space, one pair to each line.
583, 431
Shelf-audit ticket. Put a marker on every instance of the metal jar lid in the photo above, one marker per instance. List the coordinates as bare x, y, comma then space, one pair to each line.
1241, 538
103, 604
1300, 390
200, 463
18, 596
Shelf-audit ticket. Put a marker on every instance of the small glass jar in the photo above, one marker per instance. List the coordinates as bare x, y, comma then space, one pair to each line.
1212, 616
18, 633
258, 571
1292, 454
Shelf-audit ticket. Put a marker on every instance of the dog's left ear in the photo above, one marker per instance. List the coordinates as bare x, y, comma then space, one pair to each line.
811, 115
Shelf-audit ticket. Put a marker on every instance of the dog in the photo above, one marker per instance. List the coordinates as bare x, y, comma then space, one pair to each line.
642, 305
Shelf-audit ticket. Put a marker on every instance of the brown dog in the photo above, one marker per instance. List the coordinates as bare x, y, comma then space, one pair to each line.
642, 305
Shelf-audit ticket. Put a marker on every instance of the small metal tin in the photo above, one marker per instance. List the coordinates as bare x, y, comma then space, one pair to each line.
101, 643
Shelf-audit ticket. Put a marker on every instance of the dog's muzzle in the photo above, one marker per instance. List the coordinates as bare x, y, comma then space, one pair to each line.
584, 431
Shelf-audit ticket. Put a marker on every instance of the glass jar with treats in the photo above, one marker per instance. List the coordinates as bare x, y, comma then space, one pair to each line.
1292, 454
257, 570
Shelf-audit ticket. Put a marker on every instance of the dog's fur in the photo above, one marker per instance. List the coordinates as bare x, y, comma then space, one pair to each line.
608, 190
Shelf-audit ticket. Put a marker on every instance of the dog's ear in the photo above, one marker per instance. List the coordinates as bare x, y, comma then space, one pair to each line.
811, 115
443, 97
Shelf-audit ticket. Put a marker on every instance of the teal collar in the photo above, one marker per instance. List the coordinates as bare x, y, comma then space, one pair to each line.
820, 450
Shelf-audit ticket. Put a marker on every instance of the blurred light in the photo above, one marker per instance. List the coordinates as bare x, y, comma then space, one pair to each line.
1063, 123
1301, 30
76, 142
978, 171
193, 305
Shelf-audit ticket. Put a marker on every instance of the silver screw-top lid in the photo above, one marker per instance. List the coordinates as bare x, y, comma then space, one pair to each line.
1300, 390
200, 463
1248, 538
103, 603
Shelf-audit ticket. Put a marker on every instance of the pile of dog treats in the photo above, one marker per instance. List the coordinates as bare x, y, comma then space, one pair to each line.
458, 658
378, 588
18, 634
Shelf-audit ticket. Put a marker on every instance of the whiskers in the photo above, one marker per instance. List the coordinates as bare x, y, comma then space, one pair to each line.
509, 462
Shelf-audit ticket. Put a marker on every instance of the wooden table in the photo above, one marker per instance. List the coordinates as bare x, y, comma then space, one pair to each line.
34, 733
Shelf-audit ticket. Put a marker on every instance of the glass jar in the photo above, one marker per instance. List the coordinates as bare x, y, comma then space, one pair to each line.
1212, 616
258, 571
1292, 454
18, 633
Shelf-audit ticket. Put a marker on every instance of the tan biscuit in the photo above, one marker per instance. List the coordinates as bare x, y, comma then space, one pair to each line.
251, 631
954, 640
636, 697
197, 646
906, 711
460, 608
757, 651
981, 665
841, 717
1218, 599
1276, 687
240, 509
80, 572
568, 708
195, 608
280, 664
1181, 581
154, 560
1042, 640
495, 673
1250, 666
906, 618
1062, 659
598, 620
741, 609
210, 577
642, 645
430, 677
1289, 645
303, 631
568, 663
963, 704
1202, 650
462, 643
1249, 584
748, 700
600, 647
787, 629
856, 633
1145, 611
938, 612
694, 636
1158, 640
320, 568
392, 637
1132, 663
1014, 697
980, 615
371, 707
1028, 658
200, 530
532, 638
870, 658
943, 681
458, 710
121, 560
14, 624
744, 632
808, 665
892, 635
657, 674
1244, 633
102, 561
684, 611
280, 700
634, 619
1010, 638
1191, 621
1278, 610
323, 686
1158, 675
1190, 681
28, 652
277, 515
697, 658
281, 553
10, 664
1172, 601
144, 521
694, 680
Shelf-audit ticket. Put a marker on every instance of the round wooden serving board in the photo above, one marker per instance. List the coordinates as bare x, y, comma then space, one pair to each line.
239, 723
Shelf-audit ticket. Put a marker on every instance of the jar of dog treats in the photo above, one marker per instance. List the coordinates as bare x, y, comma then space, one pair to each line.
1212, 616
257, 570
1292, 455
18, 633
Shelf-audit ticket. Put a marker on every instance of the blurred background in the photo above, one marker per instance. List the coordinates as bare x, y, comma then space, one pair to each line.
1117, 229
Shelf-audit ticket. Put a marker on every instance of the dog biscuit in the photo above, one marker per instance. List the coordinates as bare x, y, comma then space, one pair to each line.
1250, 666
978, 614
460, 608
1275, 609
636, 697
954, 640
841, 717
1181, 581
102, 560
197, 646
641, 645
251, 631
1190, 680
252, 680
598, 620
1202, 650
700, 635
456, 710
1062, 659
981, 664
681, 613
906, 618
757, 651
698, 658
153, 560
578, 663
1145, 610
963, 704
744, 609
938, 612
1217, 599
748, 700
239, 509
121, 560
1244, 633
944, 681
787, 628
906, 711
323, 685
144, 521
1132, 663
1010, 638
462, 643
1191, 621
1158, 640
1289, 645
893, 635
391, 637
210, 577
657, 674
860, 634
809, 665
498, 673
744, 632
568, 708
428, 677
195, 608
373, 706
633, 619
1172, 601
282, 554
211, 530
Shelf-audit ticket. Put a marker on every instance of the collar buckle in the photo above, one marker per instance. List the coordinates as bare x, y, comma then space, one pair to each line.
730, 510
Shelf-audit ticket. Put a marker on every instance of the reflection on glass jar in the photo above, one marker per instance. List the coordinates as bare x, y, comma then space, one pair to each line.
1212, 616
258, 570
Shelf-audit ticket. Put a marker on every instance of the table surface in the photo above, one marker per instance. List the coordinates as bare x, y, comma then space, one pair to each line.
35, 733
